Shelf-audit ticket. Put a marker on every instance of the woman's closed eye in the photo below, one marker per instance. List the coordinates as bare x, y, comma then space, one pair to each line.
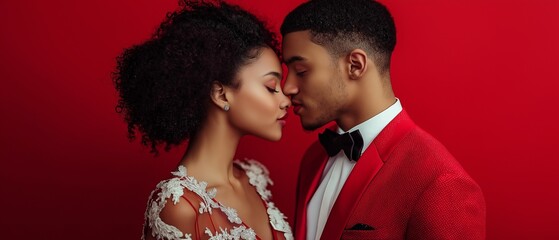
272, 90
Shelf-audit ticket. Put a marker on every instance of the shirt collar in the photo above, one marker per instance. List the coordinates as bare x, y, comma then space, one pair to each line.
371, 128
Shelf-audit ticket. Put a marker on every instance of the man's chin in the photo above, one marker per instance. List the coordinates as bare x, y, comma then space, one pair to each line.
309, 126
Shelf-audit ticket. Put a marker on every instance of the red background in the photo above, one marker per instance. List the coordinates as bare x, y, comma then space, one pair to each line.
481, 76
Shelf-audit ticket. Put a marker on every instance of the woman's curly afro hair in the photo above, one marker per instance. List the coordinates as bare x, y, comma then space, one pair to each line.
164, 83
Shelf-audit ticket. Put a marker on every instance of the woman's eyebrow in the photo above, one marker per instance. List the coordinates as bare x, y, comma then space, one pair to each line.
275, 74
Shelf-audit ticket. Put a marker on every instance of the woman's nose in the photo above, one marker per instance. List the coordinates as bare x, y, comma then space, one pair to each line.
284, 102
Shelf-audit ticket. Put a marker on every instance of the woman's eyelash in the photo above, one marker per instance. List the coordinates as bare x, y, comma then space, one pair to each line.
272, 90
301, 73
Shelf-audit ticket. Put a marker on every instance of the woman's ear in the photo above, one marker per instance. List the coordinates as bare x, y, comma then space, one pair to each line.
218, 95
357, 60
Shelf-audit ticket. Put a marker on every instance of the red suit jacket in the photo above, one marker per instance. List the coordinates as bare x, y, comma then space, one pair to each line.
406, 185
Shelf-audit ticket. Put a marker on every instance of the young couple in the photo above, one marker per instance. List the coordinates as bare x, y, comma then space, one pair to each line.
211, 74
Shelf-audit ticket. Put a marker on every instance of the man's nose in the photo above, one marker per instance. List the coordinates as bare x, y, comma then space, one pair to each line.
290, 86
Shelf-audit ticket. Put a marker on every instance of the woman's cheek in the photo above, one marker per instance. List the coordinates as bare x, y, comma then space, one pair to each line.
256, 112
262, 106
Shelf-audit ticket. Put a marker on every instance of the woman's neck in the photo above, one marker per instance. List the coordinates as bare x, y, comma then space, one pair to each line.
210, 153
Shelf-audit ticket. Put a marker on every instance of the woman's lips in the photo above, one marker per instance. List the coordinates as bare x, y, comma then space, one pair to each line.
282, 121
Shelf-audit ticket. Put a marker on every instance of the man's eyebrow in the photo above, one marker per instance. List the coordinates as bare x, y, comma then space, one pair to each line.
294, 59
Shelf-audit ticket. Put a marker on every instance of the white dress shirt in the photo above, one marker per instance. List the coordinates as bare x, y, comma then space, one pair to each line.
338, 169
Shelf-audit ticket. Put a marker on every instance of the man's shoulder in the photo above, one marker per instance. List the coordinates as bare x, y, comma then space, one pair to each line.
421, 151
424, 145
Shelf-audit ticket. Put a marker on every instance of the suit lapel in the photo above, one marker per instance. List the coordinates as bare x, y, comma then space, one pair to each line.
308, 184
363, 173
397, 129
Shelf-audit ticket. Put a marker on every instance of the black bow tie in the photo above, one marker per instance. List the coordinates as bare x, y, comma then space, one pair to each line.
351, 143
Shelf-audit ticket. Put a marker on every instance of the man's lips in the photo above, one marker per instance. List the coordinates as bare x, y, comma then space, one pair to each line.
296, 108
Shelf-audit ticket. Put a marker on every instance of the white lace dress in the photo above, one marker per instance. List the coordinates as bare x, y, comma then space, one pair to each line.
175, 188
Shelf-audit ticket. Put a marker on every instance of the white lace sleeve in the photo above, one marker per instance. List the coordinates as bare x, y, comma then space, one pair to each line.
160, 229
171, 189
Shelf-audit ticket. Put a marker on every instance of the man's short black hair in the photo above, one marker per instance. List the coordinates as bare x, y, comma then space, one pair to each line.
341, 26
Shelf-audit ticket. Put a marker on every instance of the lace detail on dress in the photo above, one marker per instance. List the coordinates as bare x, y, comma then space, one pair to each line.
259, 178
176, 185
174, 188
240, 232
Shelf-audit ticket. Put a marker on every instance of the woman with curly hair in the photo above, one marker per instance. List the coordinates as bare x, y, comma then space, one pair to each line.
209, 75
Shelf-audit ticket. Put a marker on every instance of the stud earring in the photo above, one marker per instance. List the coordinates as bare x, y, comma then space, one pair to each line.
226, 107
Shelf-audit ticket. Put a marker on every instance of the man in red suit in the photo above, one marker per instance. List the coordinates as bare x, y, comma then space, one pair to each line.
375, 174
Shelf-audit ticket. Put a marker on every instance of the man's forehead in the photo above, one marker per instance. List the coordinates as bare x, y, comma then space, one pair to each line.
294, 45
292, 59
297, 36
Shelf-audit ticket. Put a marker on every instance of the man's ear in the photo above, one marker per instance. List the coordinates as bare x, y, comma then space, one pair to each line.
218, 95
357, 63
